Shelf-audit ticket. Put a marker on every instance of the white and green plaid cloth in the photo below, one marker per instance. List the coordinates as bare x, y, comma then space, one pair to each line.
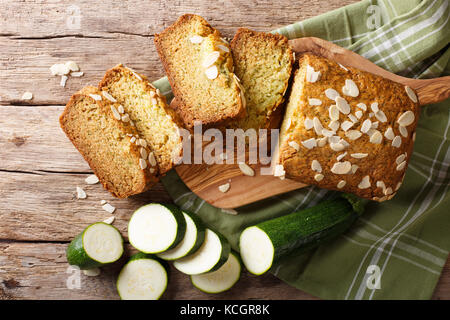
408, 238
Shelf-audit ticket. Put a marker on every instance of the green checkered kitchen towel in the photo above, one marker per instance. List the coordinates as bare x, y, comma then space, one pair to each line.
406, 240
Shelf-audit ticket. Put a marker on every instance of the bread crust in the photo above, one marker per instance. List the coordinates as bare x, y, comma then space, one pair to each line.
147, 179
382, 163
188, 113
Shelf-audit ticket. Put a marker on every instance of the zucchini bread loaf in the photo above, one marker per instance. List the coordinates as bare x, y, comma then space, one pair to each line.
263, 64
112, 147
347, 130
148, 112
199, 66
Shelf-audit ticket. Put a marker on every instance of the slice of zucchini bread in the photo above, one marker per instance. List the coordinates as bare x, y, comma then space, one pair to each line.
347, 130
110, 145
148, 112
263, 64
199, 66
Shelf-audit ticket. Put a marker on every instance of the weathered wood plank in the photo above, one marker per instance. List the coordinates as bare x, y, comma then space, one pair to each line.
39, 271
44, 207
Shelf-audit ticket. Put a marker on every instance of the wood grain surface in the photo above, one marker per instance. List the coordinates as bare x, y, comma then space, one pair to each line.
40, 169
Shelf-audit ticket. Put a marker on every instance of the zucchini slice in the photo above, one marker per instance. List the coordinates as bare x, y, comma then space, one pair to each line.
220, 280
262, 245
212, 254
97, 245
144, 277
156, 227
193, 239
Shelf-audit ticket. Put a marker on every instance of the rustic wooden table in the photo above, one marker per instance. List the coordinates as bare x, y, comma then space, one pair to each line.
39, 168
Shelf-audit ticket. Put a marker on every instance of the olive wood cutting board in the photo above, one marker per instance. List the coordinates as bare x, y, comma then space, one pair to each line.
204, 179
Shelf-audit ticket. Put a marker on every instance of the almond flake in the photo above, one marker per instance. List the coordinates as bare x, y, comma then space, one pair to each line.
102, 202
354, 168
334, 139
317, 126
142, 143
411, 94
312, 75
77, 74
406, 118
400, 158
210, 59
380, 184
350, 88
59, 69
340, 65
196, 39
389, 134
401, 166
115, 113
144, 153
63, 81
387, 191
374, 107
152, 159
333, 112
353, 134
342, 105
92, 272
341, 156
381, 116
365, 183
125, 118
341, 167
308, 123
81, 194
376, 137
318, 177
334, 125
246, 169
403, 131
120, 109
224, 187
315, 166
96, 97
322, 142
314, 102
212, 72
27, 96
310, 143
358, 114
294, 145
367, 124
331, 94
398, 186
327, 133
109, 220
359, 155
374, 125
143, 164
72, 66
362, 106
279, 171
109, 208
92, 179
223, 48
397, 141
352, 118
341, 184
108, 96
344, 143
133, 139
337, 146
346, 125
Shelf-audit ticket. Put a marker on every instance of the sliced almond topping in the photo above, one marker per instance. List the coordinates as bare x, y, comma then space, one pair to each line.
334, 139
352, 118
27, 96
223, 48
72, 65
362, 106
224, 187
92, 179
366, 126
144, 153
294, 145
381, 116
331, 94
142, 164
398, 186
374, 107
115, 113
96, 97
400, 158
142, 143
389, 134
334, 125
333, 111
327, 133
77, 74
346, 125
359, 155
337, 146
246, 169
311, 74
308, 123
322, 141
406, 118
63, 81
342, 105
358, 114
318, 177
59, 69
376, 137
152, 159
317, 126
354, 168
340, 65
411, 94
310, 143
81, 194
353, 134
387, 191
401, 166
125, 118
315, 166
380, 184
365, 183
341, 156
109, 220
196, 39
344, 143
210, 59
109, 208
350, 88
341, 184
120, 109
403, 131
374, 125
102, 202
314, 102
108, 96
341, 167
397, 142
279, 171
212, 72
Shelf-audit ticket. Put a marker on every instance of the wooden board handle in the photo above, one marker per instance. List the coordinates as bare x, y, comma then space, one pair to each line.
428, 91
